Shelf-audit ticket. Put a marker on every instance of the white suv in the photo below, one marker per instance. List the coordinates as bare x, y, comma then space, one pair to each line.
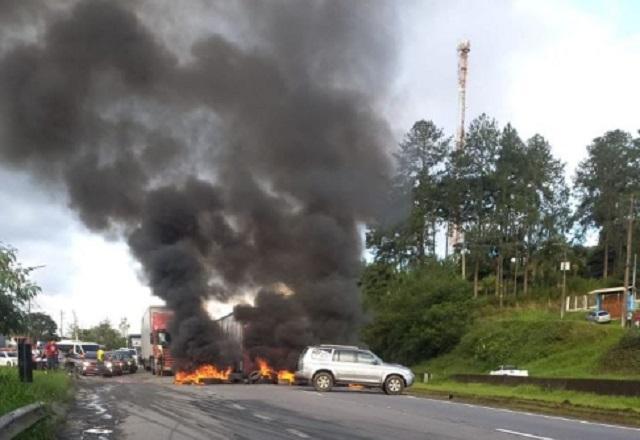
327, 365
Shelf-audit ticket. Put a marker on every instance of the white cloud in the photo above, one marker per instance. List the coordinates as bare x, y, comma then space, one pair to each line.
580, 82
103, 284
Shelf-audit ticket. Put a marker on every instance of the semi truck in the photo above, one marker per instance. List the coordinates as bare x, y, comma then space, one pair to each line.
155, 340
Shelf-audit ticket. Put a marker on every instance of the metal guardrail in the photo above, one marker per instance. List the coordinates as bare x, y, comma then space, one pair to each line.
21, 419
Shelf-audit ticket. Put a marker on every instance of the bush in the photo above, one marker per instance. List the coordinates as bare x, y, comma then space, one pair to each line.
624, 357
422, 314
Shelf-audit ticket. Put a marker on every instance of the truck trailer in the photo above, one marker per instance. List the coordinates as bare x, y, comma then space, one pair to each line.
155, 340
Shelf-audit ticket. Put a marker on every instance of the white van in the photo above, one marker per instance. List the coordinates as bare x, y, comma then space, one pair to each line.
68, 347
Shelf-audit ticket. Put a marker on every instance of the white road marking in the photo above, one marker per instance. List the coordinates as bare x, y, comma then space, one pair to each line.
263, 417
297, 433
236, 406
544, 416
523, 434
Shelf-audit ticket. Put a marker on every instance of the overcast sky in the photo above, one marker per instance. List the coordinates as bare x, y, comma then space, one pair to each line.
565, 69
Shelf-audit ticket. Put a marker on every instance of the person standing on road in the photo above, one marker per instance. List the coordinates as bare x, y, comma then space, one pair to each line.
51, 353
161, 360
100, 356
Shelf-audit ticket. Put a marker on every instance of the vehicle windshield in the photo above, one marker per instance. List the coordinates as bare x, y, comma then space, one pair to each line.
164, 338
603, 313
90, 355
89, 347
65, 348
12, 354
123, 354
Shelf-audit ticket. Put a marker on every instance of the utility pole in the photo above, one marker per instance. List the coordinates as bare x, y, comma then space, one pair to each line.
563, 300
464, 47
625, 295
75, 325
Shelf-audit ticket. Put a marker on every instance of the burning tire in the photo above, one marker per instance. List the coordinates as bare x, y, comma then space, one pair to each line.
323, 382
393, 385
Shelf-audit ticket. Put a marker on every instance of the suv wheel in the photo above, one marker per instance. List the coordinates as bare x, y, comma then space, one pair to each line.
393, 385
323, 382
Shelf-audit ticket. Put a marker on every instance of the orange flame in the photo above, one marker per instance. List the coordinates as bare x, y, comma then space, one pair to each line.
203, 372
267, 371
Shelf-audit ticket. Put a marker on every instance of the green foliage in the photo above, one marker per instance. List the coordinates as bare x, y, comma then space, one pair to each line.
534, 339
604, 182
418, 183
513, 395
624, 357
45, 387
419, 313
518, 342
41, 326
16, 290
103, 334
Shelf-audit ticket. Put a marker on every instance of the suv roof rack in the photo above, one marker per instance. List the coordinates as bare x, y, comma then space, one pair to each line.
351, 347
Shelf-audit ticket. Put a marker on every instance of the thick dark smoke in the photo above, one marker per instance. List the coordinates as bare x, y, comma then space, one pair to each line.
247, 164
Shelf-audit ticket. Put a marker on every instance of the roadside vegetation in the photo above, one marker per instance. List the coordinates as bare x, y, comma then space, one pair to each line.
612, 409
48, 388
547, 347
53, 389
521, 215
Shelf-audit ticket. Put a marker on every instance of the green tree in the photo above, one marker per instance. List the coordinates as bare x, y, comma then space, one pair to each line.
423, 313
16, 291
103, 334
547, 215
604, 181
41, 326
470, 190
418, 181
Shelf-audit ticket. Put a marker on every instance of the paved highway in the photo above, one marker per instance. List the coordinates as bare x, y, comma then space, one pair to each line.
142, 406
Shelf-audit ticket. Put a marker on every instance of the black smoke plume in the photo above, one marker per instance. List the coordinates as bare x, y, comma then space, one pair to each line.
245, 164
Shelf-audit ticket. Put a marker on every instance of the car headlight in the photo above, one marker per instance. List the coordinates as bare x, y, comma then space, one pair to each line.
108, 364
86, 364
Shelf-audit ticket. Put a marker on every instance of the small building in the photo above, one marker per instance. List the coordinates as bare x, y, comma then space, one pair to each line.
611, 300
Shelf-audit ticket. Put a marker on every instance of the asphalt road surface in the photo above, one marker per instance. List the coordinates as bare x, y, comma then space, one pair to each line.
142, 406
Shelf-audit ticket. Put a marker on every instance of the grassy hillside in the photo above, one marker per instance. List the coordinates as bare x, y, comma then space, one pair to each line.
535, 339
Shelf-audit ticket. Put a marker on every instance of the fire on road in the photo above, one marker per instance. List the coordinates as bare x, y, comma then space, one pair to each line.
143, 406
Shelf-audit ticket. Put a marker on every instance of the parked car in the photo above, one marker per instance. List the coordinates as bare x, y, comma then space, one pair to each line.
8, 358
599, 316
327, 365
509, 370
128, 360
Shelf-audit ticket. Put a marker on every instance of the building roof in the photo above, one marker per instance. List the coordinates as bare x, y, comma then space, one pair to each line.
608, 290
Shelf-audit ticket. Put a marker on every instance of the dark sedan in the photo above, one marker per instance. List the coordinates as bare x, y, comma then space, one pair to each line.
116, 366
129, 363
